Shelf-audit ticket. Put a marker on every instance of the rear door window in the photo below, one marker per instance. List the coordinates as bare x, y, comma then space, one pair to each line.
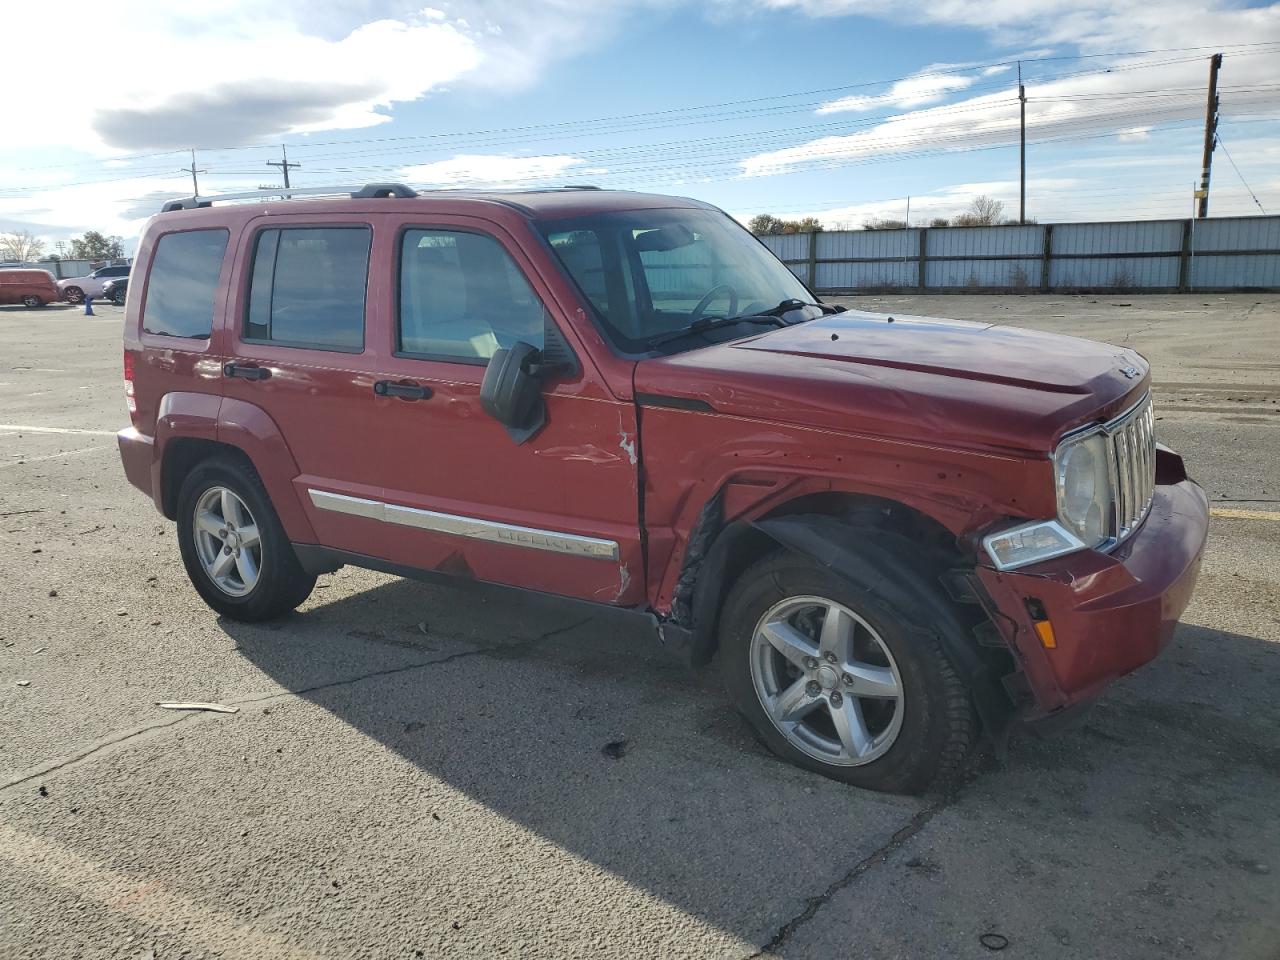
308, 288
183, 282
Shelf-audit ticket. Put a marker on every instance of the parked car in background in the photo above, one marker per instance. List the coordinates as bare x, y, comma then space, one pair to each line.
116, 290
76, 289
896, 533
31, 288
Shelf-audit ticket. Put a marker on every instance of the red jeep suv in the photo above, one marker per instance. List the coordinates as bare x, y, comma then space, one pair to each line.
897, 534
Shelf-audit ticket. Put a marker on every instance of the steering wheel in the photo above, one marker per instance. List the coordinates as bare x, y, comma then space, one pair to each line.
710, 299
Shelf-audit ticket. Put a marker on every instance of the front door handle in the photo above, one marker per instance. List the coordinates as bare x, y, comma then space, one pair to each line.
402, 389
245, 371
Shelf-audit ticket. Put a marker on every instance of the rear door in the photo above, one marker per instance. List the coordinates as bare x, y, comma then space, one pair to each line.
299, 350
448, 488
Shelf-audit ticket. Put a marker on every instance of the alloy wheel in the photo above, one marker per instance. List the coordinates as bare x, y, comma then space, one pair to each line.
827, 680
227, 541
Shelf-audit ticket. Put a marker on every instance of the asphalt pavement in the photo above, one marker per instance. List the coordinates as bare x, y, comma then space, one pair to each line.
421, 771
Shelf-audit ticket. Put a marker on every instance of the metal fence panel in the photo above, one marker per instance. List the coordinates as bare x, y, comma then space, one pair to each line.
1214, 272
1224, 254
1014, 274
851, 276
1236, 233
789, 246
986, 241
1112, 272
1151, 236
880, 244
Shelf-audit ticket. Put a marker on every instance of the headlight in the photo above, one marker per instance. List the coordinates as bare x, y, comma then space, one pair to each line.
1084, 487
1030, 543
1082, 479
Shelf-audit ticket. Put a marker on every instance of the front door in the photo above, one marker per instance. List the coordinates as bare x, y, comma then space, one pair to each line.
558, 512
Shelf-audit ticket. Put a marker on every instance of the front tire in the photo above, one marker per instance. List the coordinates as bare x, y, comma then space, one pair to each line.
841, 681
117, 297
233, 545
31, 301
73, 295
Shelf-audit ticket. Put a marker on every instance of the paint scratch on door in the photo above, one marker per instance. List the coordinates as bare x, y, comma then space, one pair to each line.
624, 581
626, 442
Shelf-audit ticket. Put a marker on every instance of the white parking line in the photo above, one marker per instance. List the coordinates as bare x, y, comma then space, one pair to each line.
53, 456
18, 428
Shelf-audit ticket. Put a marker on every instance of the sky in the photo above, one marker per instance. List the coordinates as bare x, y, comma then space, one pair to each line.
837, 109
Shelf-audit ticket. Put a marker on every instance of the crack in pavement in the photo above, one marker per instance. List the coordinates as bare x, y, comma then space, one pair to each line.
815, 903
136, 733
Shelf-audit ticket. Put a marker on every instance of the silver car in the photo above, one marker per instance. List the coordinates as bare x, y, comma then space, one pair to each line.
76, 289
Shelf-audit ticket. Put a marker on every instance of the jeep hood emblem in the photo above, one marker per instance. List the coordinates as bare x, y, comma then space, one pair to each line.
1129, 372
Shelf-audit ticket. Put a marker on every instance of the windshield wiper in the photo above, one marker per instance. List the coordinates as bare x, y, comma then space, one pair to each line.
786, 306
703, 324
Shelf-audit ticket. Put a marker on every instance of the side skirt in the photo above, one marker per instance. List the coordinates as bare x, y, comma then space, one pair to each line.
317, 560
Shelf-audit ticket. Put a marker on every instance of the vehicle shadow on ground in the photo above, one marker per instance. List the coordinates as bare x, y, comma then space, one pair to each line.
518, 696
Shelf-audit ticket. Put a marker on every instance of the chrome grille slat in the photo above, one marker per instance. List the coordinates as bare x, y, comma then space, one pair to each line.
1132, 438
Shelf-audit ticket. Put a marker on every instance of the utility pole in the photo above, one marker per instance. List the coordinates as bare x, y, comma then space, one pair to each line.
1210, 135
1022, 150
907, 222
195, 184
284, 165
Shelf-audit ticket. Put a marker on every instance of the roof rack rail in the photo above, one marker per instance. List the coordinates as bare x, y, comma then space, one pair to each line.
579, 186
369, 191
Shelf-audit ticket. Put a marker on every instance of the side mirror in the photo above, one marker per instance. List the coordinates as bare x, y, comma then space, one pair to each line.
511, 391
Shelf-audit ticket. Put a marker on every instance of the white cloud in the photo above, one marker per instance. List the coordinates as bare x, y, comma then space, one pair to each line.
912, 92
945, 202
481, 170
243, 71
1122, 94
1134, 133
249, 71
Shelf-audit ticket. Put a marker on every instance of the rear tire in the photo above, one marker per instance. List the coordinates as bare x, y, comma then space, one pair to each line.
836, 715
233, 545
31, 301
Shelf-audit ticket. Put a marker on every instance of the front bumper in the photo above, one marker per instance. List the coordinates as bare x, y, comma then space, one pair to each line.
1111, 613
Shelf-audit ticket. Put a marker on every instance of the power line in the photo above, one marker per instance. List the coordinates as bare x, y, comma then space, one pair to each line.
1238, 173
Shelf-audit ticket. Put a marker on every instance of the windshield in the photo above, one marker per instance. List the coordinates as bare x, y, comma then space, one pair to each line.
652, 272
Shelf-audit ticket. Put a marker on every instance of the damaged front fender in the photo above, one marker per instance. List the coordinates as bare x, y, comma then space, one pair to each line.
832, 544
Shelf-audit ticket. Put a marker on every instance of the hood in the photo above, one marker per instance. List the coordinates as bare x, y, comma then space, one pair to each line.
915, 378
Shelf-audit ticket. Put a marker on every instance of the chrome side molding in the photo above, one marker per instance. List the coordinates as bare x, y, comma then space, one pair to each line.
473, 528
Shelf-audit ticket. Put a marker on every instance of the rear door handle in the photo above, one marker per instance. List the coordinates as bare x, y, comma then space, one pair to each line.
403, 390
245, 371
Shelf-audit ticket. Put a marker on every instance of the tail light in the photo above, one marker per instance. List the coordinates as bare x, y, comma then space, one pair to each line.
130, 400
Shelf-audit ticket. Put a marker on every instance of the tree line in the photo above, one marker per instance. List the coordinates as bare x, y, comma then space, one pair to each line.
24, 247
982, 212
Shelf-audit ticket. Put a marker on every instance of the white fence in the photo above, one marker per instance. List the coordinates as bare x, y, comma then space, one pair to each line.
61, 269
1228, 253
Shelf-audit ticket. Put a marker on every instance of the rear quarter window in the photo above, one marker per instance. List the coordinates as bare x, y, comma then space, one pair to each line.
183, 282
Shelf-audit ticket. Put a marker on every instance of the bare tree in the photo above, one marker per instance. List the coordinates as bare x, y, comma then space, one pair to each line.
765, 224
883, 223
21, 246
984, 211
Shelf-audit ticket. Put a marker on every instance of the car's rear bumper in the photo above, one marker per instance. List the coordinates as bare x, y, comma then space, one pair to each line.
137, 453
1110, 613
